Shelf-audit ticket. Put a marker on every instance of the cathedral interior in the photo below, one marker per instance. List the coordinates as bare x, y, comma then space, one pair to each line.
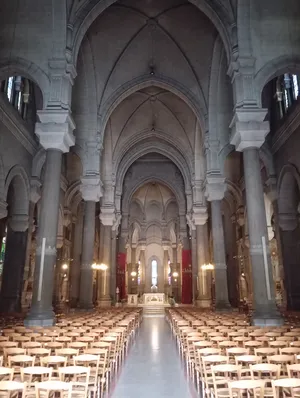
149, 147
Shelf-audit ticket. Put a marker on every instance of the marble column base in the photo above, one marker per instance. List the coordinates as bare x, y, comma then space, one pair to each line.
86, 306
223, 306
267, 317
44, 319
203, 303
104, 302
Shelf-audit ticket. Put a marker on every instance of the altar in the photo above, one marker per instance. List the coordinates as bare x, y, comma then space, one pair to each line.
154, 298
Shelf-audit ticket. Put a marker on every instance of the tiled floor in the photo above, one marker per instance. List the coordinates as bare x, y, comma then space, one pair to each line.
153, 368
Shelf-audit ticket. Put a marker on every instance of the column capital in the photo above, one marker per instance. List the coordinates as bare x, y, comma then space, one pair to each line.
3, 209
199, 215
91, 188
19, 222
55, 129
35, 189
67, 217
108, 216
249, 128
287, 221
215, 188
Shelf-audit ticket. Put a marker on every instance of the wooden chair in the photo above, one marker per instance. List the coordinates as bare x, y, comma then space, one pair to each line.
9, 389
221, 374
288, 387
49, 388
253, 388
78, 377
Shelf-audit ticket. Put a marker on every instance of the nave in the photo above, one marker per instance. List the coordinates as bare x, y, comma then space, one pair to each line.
153, 367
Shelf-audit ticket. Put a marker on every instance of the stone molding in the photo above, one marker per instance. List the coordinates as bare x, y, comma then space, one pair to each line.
108, 216
215, 188
17, 127
19, 222
35, 189
249, 129
3, 209
199, 215
91, 188
284, 132
288, 221
55, 130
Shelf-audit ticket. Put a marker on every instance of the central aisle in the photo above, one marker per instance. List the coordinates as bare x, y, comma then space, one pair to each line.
153, 367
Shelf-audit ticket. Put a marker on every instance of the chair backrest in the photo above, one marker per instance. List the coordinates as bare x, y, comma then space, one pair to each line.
6, 374
287, 384
257, 387
265, 371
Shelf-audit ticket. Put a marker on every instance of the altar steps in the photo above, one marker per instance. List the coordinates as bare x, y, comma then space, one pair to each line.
154, 310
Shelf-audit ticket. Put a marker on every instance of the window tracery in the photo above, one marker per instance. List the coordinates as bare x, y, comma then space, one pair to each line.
287, 92
18, 91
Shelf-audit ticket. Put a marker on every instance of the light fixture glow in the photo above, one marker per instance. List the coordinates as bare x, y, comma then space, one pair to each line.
175, 274
207, 267
133, 273
65, 266
101, 267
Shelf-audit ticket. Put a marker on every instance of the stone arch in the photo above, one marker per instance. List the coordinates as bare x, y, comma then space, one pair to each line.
38, 163
129, 193
143, 148
273, 68
18, 179
72, 194
288, 196
218, 15
197, 105
21, 66
2, 180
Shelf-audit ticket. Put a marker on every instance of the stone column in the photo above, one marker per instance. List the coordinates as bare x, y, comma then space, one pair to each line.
215, 189
104, 275
86, 271
249, 131
194, 264
204, 288
175, 268
76, 263
113, 275
108, 219
91, 190
55, 133
143, 269
14, 261
166, 267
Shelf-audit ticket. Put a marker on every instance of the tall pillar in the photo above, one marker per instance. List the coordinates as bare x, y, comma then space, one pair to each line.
14, 261
104, 276
55, 132
86, 271
249, 132
176, 270
113, 275
35, 196
215, 189
166, 268
194, 264
204, 289
76, 263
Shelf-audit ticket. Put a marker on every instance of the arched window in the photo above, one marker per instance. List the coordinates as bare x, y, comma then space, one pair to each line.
19, 92
287, 92
154, 272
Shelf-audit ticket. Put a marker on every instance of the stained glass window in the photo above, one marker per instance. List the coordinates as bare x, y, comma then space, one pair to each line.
154, 272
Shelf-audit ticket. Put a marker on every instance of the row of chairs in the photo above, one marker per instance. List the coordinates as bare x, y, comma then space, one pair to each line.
223, 356
89, 348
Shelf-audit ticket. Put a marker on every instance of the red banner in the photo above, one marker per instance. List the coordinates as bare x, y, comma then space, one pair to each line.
187, 280
121, 270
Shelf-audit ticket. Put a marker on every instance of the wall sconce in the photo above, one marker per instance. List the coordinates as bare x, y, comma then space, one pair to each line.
101, 267
133, 273
175, 274
65, 266
208, 267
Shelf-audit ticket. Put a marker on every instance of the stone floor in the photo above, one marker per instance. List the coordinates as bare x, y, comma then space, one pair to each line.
153, 367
